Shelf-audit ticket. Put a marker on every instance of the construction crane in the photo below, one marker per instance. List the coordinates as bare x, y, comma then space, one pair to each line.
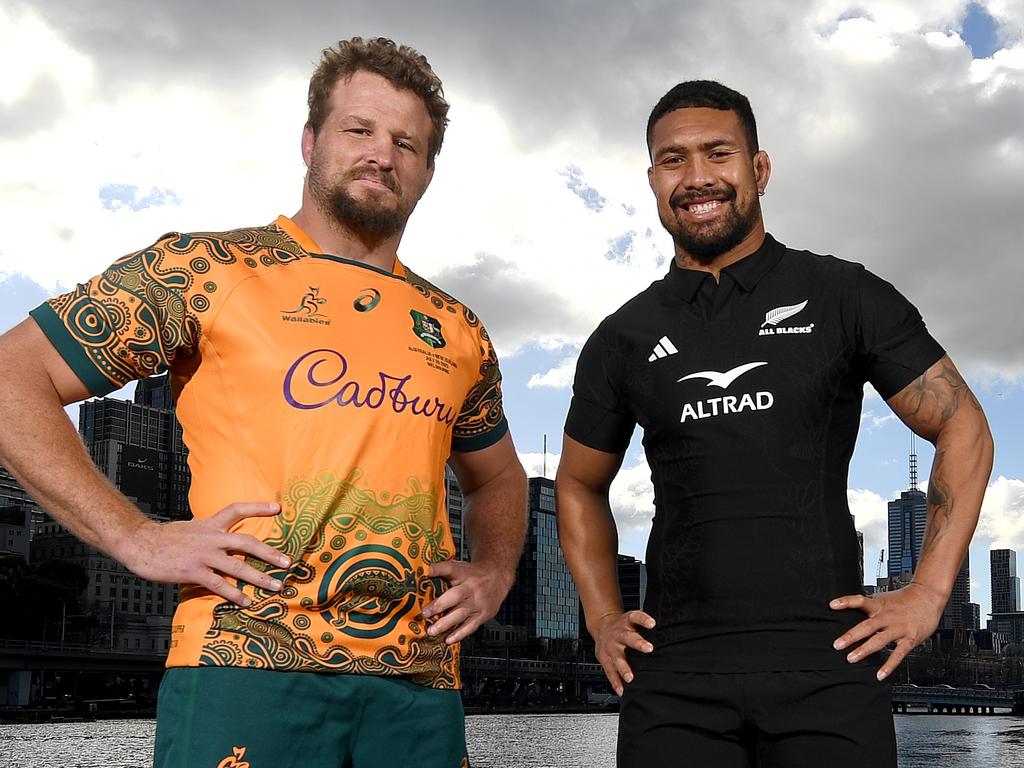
878, 568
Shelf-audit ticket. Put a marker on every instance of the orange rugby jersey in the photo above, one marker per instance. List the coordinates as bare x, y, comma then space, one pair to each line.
327, 385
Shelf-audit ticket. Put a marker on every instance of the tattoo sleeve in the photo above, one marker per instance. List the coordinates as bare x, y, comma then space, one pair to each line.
933, 399
963, 450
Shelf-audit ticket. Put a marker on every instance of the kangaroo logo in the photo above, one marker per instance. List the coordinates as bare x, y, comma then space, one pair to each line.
310, 304
235, 759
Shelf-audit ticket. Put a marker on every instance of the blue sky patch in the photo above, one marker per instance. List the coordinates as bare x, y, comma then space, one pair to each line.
619, 248
591, 198
117, 196
981, 32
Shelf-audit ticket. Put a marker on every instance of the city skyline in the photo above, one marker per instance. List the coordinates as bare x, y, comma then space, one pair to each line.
893, 130
115, 430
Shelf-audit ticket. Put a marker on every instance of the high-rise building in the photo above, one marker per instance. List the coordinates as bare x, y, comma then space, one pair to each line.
860, 554
908, 516
456, 519
632, 582
138, 612
971, 616
17, 511
953, 614
139, 447
543, 598
1005, 582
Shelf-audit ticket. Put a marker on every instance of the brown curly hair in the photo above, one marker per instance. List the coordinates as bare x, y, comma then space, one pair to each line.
404, 67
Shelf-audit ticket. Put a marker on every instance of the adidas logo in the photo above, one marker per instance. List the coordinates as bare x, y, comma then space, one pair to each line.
663, 348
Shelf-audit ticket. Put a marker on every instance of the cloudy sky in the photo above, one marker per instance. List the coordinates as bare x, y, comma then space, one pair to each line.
894, 129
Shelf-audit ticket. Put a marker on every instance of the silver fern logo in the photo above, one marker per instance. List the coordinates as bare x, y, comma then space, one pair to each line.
773, 317
777, 315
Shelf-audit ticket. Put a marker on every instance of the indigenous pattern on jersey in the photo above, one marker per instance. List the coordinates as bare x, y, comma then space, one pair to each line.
333, 388
749, 395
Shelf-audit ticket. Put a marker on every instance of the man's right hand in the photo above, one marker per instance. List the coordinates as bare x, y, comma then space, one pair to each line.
615, 632
204, 552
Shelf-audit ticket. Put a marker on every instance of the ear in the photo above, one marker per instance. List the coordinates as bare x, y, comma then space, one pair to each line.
650, 178
308, 141
762, 170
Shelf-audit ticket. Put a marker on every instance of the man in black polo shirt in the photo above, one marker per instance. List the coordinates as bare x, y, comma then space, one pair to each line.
745, 367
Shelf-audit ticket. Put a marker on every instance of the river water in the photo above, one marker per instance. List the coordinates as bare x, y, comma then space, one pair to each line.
520, 741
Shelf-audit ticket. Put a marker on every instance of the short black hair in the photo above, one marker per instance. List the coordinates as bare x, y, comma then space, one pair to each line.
711, 95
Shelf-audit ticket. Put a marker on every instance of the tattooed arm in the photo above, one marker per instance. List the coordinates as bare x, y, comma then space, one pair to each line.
939, 407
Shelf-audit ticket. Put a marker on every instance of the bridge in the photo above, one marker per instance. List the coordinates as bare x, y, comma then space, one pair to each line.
54, 656
50, 656
21, 660
944, 699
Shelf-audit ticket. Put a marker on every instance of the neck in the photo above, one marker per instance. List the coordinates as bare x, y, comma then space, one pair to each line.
744, 248
337, 240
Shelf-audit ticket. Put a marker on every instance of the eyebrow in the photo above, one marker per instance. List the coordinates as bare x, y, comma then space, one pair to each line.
704, 146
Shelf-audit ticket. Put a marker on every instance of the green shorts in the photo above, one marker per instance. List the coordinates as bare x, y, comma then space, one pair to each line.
228, 717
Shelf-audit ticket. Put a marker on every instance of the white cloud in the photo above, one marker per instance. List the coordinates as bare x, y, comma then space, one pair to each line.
632, 496
862, 40
1002, 514
871, 516
537, 465
871, 421
559, 377
862, 149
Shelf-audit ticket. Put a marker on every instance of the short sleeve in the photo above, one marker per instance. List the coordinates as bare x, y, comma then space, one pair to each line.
481, 422
130, 322
894, 342
598, 416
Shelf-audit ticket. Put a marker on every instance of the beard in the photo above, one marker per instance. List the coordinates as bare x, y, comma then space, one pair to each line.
705, 242
369, 216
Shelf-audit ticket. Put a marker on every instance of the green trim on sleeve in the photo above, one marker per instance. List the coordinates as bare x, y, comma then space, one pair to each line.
72, 352
479, 442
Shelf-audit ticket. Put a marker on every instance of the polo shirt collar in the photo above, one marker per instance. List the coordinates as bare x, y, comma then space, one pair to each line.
746, 273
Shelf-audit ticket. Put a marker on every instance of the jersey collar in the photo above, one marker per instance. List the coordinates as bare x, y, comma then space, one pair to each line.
746, 273
308, 244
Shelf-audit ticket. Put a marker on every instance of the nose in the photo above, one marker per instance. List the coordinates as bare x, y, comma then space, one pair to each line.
381, 152
698, 173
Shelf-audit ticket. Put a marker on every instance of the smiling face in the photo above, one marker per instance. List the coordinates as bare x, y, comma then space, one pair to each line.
706, 181
368, 162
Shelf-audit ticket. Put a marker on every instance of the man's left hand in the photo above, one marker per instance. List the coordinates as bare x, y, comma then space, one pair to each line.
475, 594
907, 617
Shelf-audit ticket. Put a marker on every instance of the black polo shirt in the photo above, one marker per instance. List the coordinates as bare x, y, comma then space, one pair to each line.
749, 395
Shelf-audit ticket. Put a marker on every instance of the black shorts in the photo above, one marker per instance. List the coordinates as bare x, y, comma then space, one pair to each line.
834, 718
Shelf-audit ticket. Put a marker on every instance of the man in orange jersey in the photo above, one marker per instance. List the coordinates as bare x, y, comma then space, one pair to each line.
321, 386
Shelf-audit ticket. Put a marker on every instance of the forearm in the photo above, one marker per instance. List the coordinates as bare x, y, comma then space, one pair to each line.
41, 448
589, 540
496, 521
956, 488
